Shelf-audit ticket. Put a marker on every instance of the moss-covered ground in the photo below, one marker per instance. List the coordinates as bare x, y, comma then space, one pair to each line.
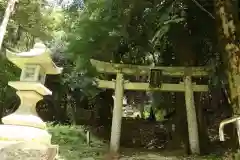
73, 146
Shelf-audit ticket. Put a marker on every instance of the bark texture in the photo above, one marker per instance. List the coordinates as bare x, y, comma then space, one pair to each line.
3, 27
230, 47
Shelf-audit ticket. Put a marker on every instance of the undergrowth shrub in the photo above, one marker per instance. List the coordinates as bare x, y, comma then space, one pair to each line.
63, 134
72, 142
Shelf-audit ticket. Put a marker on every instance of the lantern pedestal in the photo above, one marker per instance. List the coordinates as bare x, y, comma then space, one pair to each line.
24, 134
26, 114
24, 124
17, 133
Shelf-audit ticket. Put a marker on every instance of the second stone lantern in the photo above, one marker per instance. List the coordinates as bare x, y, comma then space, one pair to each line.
25, 124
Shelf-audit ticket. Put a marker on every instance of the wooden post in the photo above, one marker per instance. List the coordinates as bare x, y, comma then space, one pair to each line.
117, 114
88, 138
191, 117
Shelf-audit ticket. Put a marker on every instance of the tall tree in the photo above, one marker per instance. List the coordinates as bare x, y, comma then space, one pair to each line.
3, 27
230, 50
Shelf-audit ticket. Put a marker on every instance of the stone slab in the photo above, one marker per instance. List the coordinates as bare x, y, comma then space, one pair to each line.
40, 54
30, 86
23, 133
29, 151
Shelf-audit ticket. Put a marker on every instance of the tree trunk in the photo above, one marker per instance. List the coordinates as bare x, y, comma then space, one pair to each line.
6, 17
3, 97
105, 105
202, 125
180, 135
230, 47
230, 53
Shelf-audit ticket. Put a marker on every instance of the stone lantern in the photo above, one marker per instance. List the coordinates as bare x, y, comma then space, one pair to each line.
24, 125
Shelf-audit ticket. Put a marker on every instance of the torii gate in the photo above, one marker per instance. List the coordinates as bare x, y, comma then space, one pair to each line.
154, 74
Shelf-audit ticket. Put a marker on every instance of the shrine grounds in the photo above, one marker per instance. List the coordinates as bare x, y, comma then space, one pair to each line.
73, 146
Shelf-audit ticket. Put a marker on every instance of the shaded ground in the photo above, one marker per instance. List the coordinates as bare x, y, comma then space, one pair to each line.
86, 153
129, 154
138, 134
73, 146
136, 155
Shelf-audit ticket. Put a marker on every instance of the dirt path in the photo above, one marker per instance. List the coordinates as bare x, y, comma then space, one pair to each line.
134, 154
148, 157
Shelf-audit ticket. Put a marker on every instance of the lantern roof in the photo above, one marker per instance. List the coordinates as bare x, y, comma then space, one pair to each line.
40, 55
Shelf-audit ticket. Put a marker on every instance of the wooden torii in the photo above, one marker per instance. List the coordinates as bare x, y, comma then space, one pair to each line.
154, 73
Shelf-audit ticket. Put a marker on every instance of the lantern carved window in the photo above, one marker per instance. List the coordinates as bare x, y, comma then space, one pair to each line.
33, 73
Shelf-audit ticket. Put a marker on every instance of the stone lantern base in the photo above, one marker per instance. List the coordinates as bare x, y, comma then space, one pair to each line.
26, 143
28, 151
24, 135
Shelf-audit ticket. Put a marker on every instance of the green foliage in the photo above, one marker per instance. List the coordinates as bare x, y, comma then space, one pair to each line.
165, 20
32, 16
72, 142
121, 31
80, 79
67, 134
8, 72
97, 29
31, 20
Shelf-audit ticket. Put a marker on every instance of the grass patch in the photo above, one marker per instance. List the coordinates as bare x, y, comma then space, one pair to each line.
72, 143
